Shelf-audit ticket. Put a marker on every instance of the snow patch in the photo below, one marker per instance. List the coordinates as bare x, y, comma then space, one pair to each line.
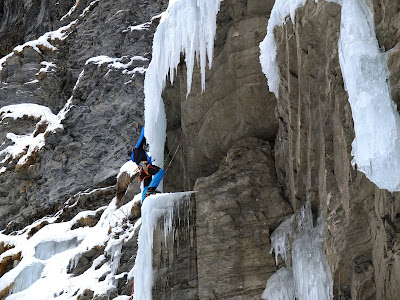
26, 145
32, 81
72, 9
42, 272
47, 67
129, 167
117, 63
140, 27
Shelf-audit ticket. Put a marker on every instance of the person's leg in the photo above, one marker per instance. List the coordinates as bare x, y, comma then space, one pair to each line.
157, 179
144, 193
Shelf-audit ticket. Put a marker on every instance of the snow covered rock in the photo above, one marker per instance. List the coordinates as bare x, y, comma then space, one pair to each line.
55, 66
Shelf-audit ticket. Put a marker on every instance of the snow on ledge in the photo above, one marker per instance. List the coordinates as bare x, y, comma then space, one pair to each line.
46, 39
26, 145
116, 63
129, 167
140, 27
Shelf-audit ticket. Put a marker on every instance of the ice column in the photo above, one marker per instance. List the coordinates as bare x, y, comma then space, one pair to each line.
153, 209
188, 27
310, 277
376, 147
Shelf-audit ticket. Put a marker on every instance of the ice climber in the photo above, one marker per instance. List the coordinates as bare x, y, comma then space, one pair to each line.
150, 174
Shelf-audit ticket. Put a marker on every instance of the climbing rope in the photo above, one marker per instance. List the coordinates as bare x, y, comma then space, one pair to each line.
133, 287
173, 145
172, 159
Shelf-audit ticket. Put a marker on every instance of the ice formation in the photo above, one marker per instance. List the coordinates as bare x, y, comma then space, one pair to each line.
279, 13
310, 277
188, 26
280, 240
376, 147
280, 286
154, 208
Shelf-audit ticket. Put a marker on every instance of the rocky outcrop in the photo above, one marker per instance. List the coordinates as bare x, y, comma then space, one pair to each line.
107, 102
237, 208
236, 103
312, 145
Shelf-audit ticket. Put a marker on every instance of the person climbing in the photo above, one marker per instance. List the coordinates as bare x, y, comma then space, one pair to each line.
150, 174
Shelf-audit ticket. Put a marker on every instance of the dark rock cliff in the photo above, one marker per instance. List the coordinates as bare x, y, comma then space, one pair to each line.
107, 110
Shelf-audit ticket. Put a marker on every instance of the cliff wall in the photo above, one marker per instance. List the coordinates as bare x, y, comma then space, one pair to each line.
311, 129
106, 115
253, 159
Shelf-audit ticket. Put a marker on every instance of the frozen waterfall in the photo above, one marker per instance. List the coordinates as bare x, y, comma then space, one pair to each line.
188, 27
154, 208
376, 147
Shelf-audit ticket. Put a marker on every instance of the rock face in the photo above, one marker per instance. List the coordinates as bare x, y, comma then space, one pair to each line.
312, 145
237, 207
236, 103
252, 158
107, 111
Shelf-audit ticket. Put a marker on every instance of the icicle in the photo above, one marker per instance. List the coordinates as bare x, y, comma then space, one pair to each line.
188, 27
280, 10
154, 208
280, 240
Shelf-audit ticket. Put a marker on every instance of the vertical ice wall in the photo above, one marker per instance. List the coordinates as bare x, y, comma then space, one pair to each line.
310, 277
376, 147
188, 27
153, 209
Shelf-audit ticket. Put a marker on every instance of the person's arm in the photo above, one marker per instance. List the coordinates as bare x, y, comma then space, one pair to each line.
141, 139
